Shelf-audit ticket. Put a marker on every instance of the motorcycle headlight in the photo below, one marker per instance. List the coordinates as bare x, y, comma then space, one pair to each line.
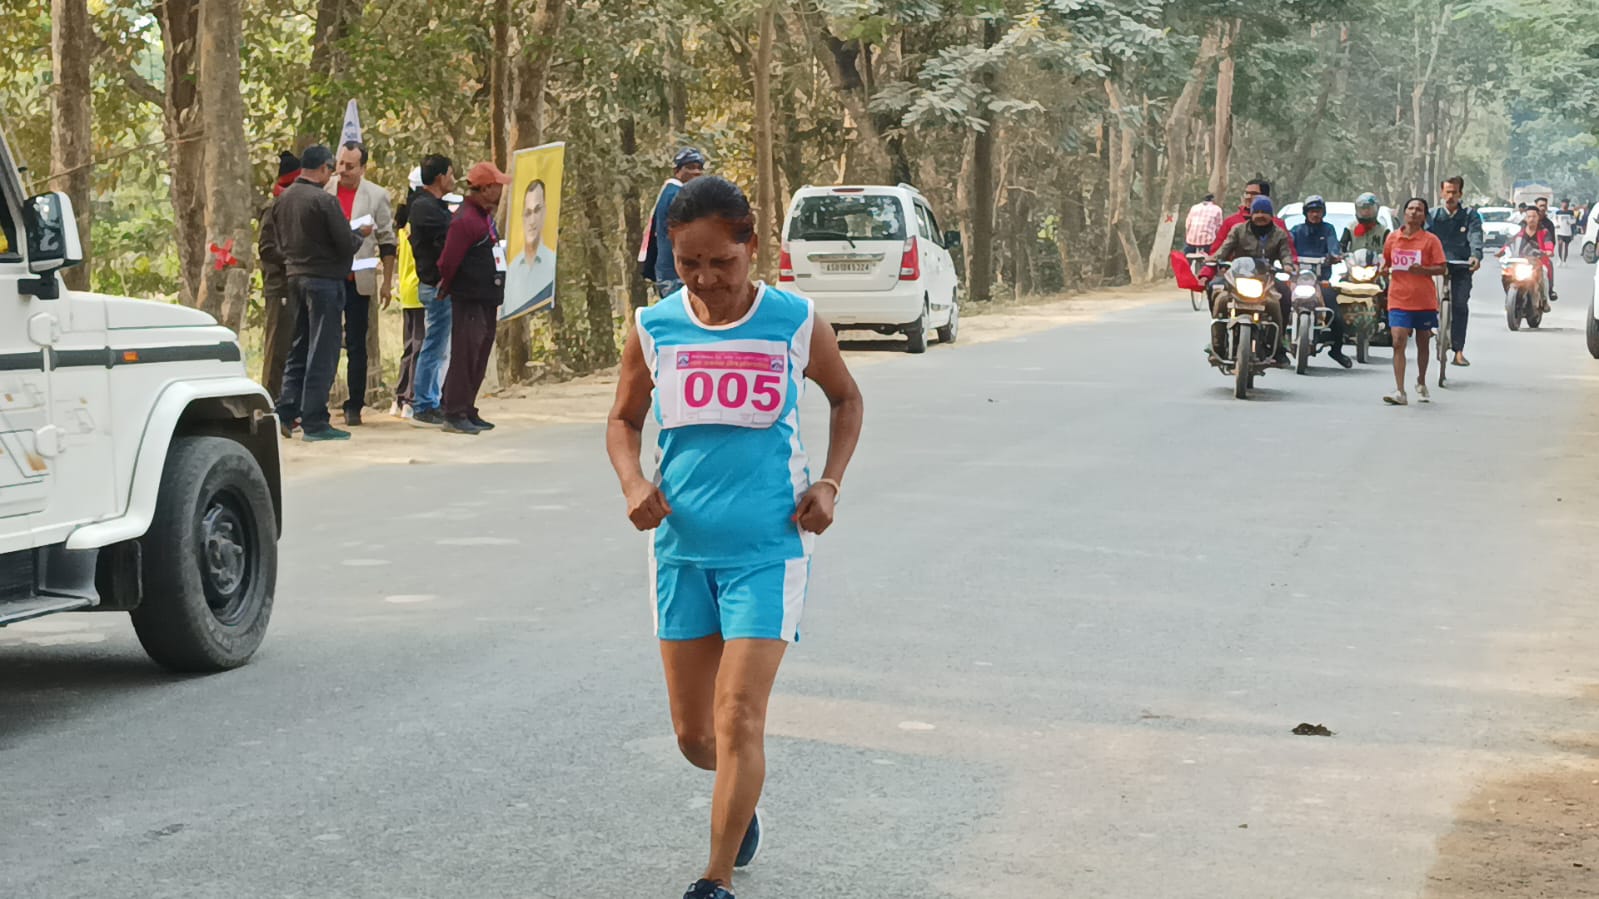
1522, 271
1249, 288
1362, 272
1304, 291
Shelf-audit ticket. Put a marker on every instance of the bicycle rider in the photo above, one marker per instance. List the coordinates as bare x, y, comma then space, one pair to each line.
1459, 228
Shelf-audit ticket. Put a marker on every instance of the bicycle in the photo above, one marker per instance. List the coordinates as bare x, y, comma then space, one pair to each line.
1196, 262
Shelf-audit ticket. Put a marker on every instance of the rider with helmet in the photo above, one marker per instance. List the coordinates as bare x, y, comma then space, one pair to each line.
1314, 238
1367, 233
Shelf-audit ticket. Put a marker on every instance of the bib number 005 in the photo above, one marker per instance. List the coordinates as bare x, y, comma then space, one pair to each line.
719, 384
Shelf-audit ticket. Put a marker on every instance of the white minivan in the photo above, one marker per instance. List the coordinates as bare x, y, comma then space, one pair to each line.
873, 258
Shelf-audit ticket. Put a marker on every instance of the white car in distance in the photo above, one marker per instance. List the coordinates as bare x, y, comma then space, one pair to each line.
873, 258
1498, 225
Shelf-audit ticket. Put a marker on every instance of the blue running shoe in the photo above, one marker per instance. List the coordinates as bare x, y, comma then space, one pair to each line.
751, 846
707, 889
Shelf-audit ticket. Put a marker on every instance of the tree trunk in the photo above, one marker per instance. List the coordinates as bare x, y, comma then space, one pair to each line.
71, 153
980, 195
500, 84
1416, 170
638, 295
866, 159
225, 292
1302, 155
333, 21
1121, 181
1178, 123
1224, 109
180, 27
514, 341
768, 218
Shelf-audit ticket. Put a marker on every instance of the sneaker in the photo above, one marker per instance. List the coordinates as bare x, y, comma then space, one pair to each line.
481, 424
396, 410
1343, 360
751, 846
287, 427
407, 413
1397, 398
352, 418
428, 418
328, 433
1423, 394
461, 426
707, 889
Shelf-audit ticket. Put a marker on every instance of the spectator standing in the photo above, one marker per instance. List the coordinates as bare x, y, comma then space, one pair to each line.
318, 246
1565, 229
1201, 226
472, 274
414, 317
656, 257
359, 198
428, 220
278, 313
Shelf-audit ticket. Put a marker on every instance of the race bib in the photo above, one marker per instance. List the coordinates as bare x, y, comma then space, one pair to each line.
499, 258
1405, 260
743, 383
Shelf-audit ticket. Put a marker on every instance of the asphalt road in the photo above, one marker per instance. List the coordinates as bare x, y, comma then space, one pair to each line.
1077, 599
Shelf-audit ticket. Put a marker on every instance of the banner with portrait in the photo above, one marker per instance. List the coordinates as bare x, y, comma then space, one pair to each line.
533, 220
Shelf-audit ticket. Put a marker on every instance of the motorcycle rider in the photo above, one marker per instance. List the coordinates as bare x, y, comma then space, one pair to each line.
1253, 189
1367, 233
1534, 236
1315, 238
1261, 237
1459, 228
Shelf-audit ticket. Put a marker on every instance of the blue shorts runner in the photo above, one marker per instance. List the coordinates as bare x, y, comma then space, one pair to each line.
1416, 321
759, 602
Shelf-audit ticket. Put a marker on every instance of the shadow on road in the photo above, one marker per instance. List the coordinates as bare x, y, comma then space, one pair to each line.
43, 687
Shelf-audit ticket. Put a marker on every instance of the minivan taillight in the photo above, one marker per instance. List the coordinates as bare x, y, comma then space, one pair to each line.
910, 264
785, 266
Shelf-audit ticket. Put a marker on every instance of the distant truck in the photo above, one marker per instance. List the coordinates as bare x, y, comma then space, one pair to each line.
138, 463
1530, 192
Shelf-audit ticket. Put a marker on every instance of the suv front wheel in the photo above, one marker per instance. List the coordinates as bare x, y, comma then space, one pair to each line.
210, 559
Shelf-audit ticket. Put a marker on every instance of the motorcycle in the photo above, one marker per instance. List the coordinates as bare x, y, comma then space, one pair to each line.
1251, 337
1308, 326
1526, 289
1363, 302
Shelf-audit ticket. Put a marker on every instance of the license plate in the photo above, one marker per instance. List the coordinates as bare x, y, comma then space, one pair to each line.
847, 268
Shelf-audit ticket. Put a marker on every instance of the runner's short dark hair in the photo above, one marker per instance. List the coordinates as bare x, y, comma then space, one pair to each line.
711, 197
1425, 206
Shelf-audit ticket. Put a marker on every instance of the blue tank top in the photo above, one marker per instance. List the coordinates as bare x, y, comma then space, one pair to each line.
729, 457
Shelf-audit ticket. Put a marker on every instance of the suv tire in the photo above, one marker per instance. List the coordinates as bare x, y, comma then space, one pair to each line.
952, 331
210, 559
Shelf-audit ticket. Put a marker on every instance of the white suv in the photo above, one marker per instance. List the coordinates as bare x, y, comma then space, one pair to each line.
873, 258
138, 463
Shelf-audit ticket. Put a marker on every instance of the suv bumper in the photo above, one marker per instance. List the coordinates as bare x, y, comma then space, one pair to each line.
899, 306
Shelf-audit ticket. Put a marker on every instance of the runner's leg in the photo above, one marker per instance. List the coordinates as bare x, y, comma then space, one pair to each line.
1423, 340
743, 687
691, 667
1401, 338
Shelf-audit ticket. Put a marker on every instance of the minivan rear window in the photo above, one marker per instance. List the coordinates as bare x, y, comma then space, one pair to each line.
859, 217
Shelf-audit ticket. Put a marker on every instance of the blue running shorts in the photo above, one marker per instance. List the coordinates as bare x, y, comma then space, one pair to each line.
1416, 321
761, 602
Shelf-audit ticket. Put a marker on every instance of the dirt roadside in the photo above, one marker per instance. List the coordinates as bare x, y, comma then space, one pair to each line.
383, 440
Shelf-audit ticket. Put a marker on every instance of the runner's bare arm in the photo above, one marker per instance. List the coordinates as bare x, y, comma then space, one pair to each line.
827, 369
624, 438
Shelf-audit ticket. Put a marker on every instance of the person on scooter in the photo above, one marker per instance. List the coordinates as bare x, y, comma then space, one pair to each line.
1367, 233
1459, 228
1315, 238
1261, 237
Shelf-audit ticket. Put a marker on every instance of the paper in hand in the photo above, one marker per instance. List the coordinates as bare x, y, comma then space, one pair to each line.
357, 224
364, 265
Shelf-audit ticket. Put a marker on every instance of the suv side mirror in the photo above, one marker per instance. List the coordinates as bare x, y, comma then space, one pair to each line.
52, 231
952, 239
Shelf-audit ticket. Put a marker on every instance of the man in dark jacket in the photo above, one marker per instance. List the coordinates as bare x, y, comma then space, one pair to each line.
318, 247
655, 258
1261, 237
429, 223
1459, 228
472, 274
279, 318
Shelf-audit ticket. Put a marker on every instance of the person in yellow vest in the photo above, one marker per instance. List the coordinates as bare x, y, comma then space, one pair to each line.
410, 307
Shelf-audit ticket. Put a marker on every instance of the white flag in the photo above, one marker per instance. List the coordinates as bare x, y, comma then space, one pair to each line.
352, 125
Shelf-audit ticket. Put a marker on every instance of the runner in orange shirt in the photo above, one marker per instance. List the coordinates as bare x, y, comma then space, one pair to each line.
1411, 258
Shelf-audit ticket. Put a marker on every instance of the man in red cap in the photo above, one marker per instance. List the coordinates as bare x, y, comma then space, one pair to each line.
472, 274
